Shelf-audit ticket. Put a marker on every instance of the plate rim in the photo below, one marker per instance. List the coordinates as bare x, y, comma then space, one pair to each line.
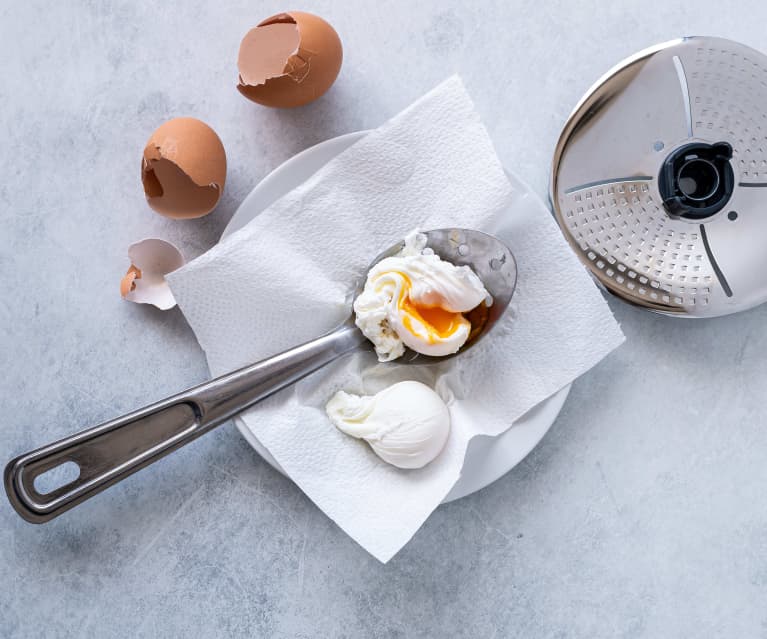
462, 488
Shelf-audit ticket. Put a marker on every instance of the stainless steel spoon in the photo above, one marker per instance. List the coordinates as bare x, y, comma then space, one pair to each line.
110, 452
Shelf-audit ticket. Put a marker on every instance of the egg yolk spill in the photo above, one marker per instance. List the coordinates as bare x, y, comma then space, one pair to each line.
438, 322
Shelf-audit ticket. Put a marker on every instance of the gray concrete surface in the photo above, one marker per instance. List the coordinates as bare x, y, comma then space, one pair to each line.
641, 514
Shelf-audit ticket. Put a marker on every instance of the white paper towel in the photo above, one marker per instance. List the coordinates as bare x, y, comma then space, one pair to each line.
286, 277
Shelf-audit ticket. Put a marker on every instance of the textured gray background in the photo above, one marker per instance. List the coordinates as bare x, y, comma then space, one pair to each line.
641, 514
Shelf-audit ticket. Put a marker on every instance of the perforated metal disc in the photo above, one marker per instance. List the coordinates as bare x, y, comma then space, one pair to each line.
640, 172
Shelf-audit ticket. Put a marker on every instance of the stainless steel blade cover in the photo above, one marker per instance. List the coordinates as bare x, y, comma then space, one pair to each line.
659, 179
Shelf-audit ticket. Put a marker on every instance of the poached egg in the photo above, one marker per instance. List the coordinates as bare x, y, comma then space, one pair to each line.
406, 424
416, 299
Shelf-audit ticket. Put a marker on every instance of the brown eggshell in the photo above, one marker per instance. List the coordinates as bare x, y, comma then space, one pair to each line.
127, 283
311, 61
183, 169
144, 283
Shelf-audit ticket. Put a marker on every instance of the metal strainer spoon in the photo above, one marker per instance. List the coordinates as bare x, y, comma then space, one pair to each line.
116, 449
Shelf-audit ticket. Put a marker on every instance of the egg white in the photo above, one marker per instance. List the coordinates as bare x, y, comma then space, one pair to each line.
406, 424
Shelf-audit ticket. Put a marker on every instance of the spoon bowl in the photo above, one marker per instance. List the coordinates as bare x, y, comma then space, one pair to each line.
488, 257
112, 451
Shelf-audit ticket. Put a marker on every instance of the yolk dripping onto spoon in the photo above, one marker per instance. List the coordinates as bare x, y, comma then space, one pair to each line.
438, 322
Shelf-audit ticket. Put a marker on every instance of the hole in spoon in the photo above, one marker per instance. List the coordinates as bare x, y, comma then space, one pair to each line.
56, 477
463, 250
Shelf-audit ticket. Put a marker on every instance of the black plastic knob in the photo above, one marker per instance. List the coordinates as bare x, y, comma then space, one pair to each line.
696, 181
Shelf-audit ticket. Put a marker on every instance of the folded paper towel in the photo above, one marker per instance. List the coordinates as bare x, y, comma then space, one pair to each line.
287, 276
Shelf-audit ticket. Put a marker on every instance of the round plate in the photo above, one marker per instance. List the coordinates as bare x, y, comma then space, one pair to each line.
487, 458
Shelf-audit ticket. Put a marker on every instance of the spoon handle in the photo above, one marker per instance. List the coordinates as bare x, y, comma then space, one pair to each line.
108, 453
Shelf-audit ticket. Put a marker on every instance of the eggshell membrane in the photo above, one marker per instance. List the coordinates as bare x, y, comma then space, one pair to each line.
308, 71
266, 51
183, 169
144, 283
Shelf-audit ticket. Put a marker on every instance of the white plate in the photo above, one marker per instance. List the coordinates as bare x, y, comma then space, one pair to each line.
487, 458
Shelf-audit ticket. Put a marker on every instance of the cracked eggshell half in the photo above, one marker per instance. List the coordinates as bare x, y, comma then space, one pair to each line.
183, 169
144, 283
289, 60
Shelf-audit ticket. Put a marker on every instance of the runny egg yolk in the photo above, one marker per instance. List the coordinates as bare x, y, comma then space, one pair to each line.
438, 322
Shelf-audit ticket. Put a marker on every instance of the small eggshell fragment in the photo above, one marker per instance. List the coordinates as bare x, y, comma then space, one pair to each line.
289, 60
127, 284
183, 169
144, 283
